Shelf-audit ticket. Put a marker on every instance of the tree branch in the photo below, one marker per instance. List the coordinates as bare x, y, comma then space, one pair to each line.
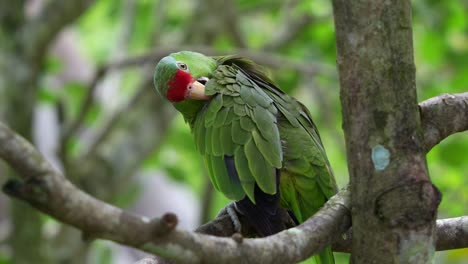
111, 123
394, 202
452, 233
443, 116
85, 106
47, 190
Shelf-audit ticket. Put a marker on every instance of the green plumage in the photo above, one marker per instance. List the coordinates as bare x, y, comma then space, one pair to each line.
264, 130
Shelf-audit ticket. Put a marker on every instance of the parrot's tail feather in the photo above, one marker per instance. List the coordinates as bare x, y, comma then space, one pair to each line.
263, 215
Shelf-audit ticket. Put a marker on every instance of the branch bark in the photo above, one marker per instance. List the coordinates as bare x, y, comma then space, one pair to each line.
394, 203
85, 107
443, 116
452, 233
47, 190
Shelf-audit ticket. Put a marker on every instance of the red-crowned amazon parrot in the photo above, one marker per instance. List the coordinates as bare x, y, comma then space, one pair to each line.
260, 145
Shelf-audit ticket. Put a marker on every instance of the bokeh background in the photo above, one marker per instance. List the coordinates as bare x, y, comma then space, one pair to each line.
98, 119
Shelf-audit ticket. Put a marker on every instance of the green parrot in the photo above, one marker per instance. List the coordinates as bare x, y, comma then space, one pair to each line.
260, 145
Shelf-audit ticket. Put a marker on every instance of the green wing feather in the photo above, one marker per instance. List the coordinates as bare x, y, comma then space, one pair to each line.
264, 129
307, 180
239, 121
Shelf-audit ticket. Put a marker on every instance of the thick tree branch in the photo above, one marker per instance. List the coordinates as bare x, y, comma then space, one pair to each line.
41, 30
47, 190
442, 116
452, 233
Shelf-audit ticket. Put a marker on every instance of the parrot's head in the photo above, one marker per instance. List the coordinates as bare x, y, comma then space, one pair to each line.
181, 77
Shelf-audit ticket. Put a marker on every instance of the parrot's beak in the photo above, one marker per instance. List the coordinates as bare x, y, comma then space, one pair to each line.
197, 91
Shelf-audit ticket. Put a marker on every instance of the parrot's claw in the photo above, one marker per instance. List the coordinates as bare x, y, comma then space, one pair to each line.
234, 218
230, 209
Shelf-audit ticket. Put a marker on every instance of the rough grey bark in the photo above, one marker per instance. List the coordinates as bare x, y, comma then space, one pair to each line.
452, 233
17, 88
394, 202
49, 191
442, 116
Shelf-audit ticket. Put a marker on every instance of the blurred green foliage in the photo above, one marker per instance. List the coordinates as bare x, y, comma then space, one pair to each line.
441, 53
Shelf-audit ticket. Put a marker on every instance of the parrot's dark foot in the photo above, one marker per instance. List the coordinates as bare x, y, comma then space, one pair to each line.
231, 210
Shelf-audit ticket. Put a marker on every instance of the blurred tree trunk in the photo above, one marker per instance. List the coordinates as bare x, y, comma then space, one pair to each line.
23, 44
18, 75
394, 203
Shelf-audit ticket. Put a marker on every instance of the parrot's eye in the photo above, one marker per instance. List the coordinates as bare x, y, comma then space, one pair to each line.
182, 66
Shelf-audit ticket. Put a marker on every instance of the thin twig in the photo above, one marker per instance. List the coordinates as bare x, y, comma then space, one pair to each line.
111, 123
86, 105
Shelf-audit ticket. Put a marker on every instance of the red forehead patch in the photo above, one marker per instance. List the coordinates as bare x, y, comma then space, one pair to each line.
178, 86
